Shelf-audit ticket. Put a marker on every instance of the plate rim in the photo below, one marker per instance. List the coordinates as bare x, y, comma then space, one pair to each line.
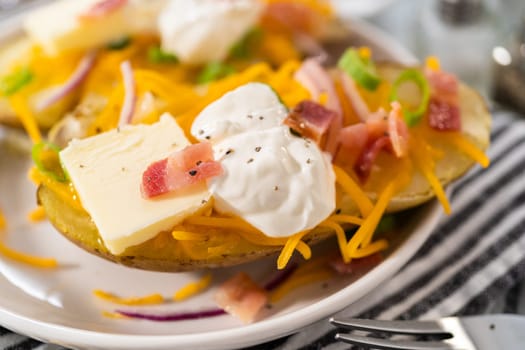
261, 331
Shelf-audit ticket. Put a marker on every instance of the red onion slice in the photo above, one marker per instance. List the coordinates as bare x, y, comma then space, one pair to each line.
130, 96
178, 316
79, 75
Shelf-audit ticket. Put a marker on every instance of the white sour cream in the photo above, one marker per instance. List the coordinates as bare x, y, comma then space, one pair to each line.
200, 31
279, 183
251, 107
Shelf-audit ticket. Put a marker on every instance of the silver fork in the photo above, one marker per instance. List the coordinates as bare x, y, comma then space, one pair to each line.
487, 332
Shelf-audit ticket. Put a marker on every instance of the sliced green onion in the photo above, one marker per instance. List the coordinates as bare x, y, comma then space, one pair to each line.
119, 44
362, 70
15, 81
157, 55
214, 71
412, 117
387, 223
51, 167
244, 47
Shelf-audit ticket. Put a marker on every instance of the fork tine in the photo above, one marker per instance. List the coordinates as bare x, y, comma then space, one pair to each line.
388, 344
400, 327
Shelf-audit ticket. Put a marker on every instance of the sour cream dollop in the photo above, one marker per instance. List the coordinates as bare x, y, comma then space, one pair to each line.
280, 183
201, 31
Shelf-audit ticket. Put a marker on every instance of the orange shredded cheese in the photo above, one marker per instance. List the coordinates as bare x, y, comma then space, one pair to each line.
189, 236
26, 116
370, 249
152, 299
353, 189
432, 63
299, 280
341, 238
45, 263
288, 249
364, 234
323, 98
193, 288
426, 166
113, 315
347, 219
304, 250
36, 215
469, 149
65, 191
365, 52
3, 221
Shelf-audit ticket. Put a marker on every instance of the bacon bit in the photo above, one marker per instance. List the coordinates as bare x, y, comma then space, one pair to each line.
241, 297
180, 170
443, 111
293, 17
319, 83
397, 130
353, 138
443, 116
102, 8
364, 163
356, 265
154, 179
310, 119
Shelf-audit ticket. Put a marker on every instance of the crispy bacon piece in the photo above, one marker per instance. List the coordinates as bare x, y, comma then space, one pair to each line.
443, 112
397, 130
180, 170
102, 8
241, 297
317, 81
310, 119
365, 162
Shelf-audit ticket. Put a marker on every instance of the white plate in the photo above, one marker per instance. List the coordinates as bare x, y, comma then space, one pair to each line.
57, 305
360, 8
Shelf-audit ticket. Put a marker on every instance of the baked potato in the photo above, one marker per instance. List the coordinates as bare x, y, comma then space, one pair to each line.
164, 253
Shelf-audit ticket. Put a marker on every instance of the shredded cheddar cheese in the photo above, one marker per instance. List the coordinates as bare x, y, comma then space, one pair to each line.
113, 315
152, 299
45, 263
36, 215
365, 232
297, 281
24, 113
341, 238
370, 249
3, 221
432, 63
289, 247
353, 189
193, 288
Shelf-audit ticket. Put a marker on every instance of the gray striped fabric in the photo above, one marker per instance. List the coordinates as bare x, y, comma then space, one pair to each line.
472, 263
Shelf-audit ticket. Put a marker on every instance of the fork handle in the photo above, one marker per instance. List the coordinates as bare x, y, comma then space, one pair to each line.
490, 332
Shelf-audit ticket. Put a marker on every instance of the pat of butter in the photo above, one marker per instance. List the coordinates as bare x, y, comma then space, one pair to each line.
58, 26
106, 171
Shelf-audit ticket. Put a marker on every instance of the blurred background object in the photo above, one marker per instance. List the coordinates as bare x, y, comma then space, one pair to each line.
482, 41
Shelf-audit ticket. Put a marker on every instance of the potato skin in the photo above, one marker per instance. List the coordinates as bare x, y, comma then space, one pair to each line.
78, 227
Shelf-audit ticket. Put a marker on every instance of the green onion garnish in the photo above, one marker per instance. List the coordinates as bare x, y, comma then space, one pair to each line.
362, 70
412, 117
15, 81
214, 71
45, 156
157, 55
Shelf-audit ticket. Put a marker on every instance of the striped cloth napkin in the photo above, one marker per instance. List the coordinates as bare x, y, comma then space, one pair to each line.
473, 263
